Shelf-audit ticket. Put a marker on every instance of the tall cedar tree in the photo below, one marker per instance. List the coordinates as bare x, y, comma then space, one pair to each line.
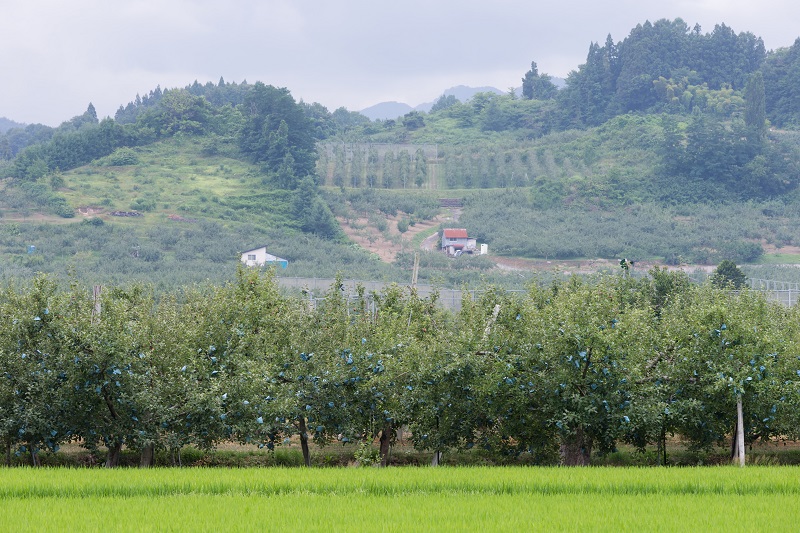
274, 126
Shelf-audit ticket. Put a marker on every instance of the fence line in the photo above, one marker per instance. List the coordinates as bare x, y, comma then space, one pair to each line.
772, 285
315, 288
784, 292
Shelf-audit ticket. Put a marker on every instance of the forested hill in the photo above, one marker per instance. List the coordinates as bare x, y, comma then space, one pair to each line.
667, 118
6, 124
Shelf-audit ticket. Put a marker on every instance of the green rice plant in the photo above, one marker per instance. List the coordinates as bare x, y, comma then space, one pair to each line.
412, 512
412, 499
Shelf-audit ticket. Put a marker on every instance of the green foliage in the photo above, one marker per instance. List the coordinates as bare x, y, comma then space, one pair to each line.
619, 77
122, 157
61, 208
537, 86
177, 188
177, 111
367, 455
568, 369
68, 149
727, 274
413, 121
696, 234
274, 127
726, 158
781, 72
443, 102
34, 402
143, 204
730, 348
755, 111
39, 194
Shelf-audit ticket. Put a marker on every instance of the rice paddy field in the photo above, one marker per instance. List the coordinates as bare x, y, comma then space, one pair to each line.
401, 499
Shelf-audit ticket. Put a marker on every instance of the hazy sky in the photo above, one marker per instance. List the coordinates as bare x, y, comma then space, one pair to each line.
57, 56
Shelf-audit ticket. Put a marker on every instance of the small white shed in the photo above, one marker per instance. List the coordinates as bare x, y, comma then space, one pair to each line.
260, 257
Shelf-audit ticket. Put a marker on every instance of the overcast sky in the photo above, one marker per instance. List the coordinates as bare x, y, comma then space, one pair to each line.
57, 56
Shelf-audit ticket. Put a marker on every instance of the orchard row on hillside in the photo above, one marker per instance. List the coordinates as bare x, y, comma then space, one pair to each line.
565, 370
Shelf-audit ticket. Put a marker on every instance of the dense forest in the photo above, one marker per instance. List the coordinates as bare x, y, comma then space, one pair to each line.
650, 132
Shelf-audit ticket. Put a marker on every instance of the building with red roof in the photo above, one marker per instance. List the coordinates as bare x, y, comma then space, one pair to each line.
455, 241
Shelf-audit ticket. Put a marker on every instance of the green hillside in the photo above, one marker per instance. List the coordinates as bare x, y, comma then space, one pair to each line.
194, 213
669, 146
173, 214
597, 192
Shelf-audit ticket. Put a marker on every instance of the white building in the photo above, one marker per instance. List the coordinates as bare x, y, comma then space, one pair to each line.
260, 257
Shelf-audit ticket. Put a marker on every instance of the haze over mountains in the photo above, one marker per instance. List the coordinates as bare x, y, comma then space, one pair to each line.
393, 110
382, 110
6, 124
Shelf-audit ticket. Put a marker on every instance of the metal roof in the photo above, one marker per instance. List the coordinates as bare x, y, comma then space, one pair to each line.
455, 233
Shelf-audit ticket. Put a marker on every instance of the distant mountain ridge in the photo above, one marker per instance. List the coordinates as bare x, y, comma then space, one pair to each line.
6, 124
394, 110
386, 110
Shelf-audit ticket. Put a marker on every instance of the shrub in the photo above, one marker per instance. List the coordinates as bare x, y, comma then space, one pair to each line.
143, 204
367, 455
122, 157
92, 221
61, 208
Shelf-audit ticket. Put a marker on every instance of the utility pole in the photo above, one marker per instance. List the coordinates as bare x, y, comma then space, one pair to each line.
96, 292
415, 272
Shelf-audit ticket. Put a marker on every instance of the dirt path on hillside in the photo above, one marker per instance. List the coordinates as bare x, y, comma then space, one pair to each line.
430, 242
388, 243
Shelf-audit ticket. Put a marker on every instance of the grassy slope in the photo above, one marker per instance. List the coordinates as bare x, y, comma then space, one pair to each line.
175, 178
198, 212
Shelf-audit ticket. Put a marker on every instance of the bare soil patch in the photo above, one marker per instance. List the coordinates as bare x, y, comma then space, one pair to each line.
178, 218
33, 217
385, 244
772, 249
91, 211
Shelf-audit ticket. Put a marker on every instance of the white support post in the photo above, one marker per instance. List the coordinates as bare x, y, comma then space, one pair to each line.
739, 430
